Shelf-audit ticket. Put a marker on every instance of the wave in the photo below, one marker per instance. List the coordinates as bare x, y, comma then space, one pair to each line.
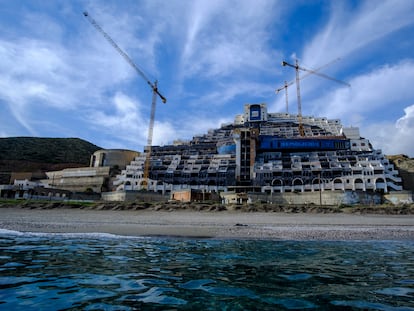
89, 235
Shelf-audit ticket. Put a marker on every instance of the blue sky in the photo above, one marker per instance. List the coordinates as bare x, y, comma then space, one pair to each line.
61, 78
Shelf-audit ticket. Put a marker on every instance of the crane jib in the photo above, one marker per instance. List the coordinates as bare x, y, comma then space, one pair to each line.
123, 54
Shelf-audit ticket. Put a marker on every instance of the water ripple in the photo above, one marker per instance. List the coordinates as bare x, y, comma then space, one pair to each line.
106, 273
397, 291
366, 305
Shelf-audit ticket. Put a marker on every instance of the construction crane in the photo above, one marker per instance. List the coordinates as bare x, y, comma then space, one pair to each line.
285, 87
153, 86
287, 84
297, 68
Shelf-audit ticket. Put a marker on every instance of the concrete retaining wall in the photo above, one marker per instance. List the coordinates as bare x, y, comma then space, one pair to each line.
319, 198
140, 196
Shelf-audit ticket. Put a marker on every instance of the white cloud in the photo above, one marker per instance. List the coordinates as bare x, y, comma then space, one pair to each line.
370, 104
121, 119
384, 89
164, 133
406, 123
394, 138
124, 121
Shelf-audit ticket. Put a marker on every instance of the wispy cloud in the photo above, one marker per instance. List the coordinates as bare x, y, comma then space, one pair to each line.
35, 74
221, 40
44, 73
358, 36
349, 31
227, 38
210, 57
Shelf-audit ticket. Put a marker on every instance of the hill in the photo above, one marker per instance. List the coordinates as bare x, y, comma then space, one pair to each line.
405, 166
38, 154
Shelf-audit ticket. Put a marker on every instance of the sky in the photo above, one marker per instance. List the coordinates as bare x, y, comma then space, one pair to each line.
59, 77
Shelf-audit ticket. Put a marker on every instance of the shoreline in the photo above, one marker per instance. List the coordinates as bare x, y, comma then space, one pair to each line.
205, 224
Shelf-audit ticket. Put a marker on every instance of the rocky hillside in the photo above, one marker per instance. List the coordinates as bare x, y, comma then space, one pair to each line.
403, 162
405, 166
37, 155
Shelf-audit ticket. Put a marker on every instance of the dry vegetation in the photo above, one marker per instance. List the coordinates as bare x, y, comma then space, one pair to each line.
407, 209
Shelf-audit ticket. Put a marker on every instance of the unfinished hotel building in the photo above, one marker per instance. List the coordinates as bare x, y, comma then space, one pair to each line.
264, 152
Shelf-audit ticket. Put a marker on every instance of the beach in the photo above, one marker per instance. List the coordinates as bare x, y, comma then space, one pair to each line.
207, 224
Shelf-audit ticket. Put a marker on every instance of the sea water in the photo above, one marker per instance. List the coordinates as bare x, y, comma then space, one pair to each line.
106, 272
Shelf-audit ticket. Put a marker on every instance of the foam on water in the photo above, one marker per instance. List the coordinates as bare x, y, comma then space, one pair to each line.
87, 235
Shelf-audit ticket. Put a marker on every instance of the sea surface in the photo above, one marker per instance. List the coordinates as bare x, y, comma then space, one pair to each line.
107, 272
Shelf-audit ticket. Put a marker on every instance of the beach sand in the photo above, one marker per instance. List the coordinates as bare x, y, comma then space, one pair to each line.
202, 224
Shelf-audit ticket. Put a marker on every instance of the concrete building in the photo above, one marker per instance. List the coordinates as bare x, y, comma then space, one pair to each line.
80, 179
98, 177
26, 189
192, 195
264, 152
112, 158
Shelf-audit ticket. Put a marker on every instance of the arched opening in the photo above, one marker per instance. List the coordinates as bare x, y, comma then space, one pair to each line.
380, 184
277, 183
338, 184
359, 184
297, 182
317, 183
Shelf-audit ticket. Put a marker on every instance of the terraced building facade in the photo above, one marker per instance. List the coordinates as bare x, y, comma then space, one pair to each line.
264, 152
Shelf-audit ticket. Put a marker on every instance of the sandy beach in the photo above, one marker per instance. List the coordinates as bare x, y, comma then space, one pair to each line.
203, 224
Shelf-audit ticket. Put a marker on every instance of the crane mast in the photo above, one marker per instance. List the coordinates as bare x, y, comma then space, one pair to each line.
153, 86
301, 129
297, 68
149, 138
